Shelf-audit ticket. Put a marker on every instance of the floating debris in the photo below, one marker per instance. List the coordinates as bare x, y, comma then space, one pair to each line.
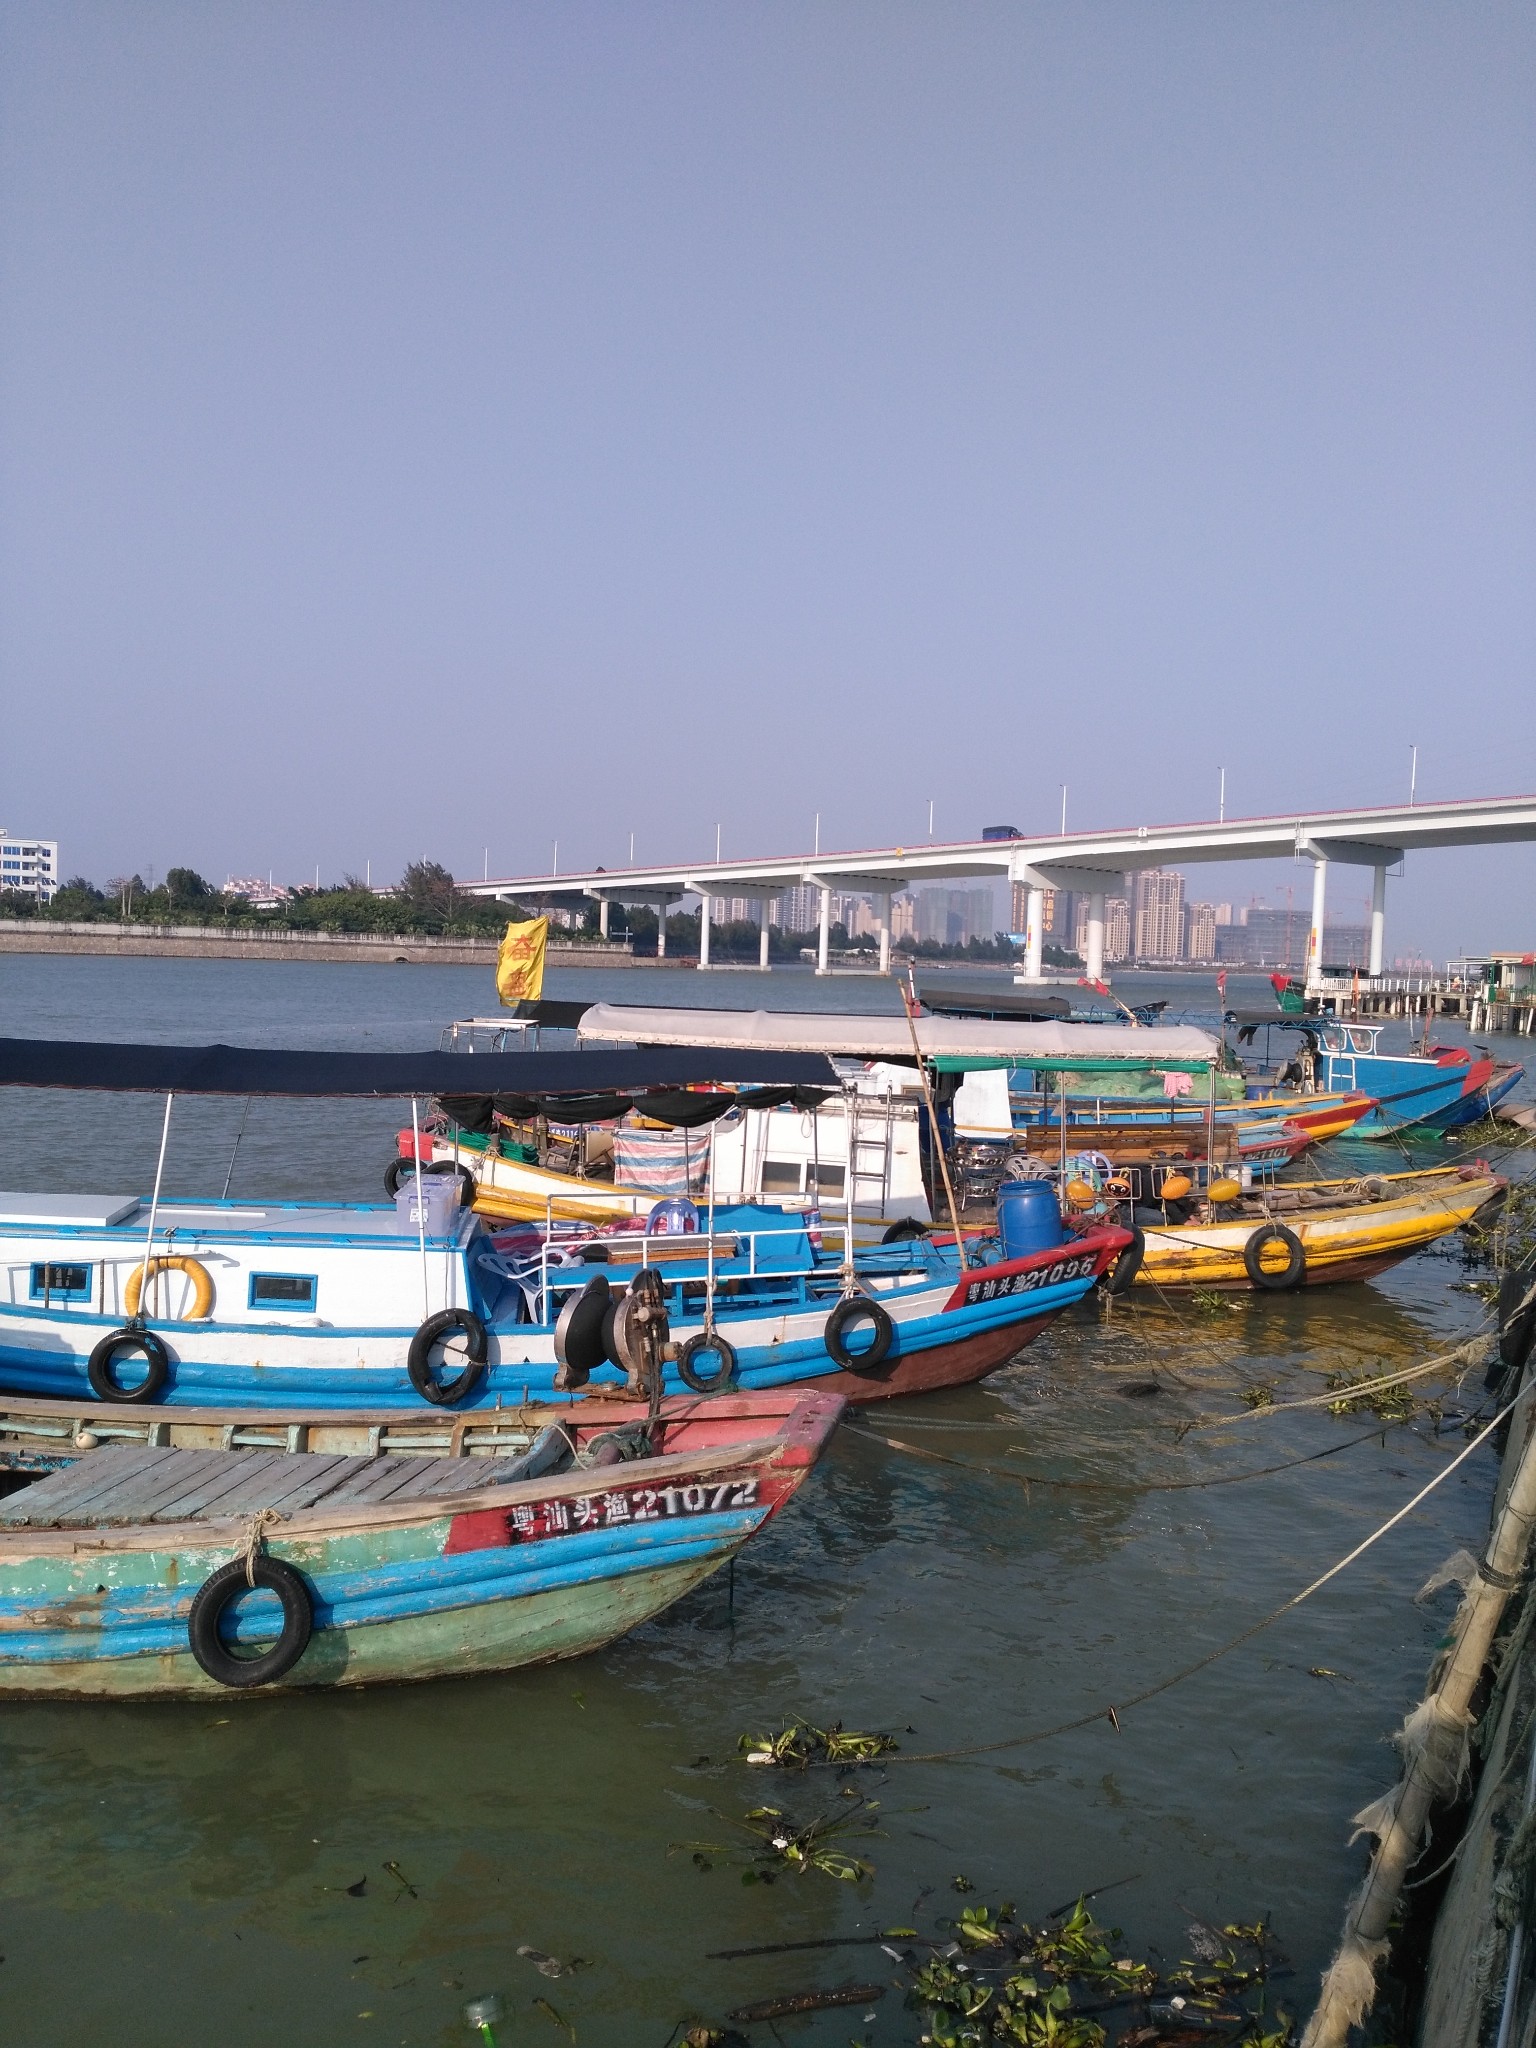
800, 1745
543, 2005
356, 1891
481, 2014
1262, 1396
807, 2001
550, 1966
403, 1881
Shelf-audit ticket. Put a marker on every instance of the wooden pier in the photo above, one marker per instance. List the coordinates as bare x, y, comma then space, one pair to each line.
1428, 996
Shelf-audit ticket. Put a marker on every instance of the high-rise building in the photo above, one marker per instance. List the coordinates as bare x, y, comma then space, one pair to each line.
903, 916
1056, 912
28, 867
951, 916
798, 909
1117, 929
1158, 914
1200, 931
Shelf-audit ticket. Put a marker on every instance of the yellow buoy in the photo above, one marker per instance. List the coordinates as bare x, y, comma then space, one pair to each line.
1080, 1195
1224, 1190
1176, 1187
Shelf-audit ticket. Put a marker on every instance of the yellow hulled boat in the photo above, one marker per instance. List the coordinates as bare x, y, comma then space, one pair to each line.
1307, 1233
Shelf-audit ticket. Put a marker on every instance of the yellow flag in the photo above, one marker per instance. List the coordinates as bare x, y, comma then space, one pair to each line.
520, 963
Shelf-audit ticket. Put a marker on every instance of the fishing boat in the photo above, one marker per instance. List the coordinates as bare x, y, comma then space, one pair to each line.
1301, 1233
138, 1562
795, 1152
1425, 1092
326, 1306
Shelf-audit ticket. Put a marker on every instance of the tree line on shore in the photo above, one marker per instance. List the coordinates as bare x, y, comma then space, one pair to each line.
428, 901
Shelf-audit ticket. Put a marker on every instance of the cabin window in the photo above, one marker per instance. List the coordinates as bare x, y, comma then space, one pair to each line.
824, 1180
61, 1283
294, 1291
781, 1177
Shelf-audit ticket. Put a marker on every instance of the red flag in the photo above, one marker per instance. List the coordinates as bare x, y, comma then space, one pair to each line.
1083, 981
1221, 986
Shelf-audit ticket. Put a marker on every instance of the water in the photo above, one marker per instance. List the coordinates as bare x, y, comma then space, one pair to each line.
177, 1874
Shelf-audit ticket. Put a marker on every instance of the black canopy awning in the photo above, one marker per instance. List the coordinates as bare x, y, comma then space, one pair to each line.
254, 1070
676, 1106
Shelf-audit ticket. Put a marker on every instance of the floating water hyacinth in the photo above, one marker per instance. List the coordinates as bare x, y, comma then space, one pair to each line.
789, 1845
800, 1745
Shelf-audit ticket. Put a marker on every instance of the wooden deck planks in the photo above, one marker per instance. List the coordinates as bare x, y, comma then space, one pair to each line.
134, 1485
189, 1475
85, 1480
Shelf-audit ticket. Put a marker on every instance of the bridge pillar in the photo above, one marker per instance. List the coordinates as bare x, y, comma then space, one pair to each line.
663, 904
1094, 963
1378, 920
883, 915
704, 930
1315, 936
1034, 933
762, 933
602, 916
824, 933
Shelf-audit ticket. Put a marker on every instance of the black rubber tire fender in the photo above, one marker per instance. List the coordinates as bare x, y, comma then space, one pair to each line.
1123, 1273
702, 1344
215, 1595
98, 1369
850, 1311
399, 1171
418, 1363
1294, 1271
904, 1229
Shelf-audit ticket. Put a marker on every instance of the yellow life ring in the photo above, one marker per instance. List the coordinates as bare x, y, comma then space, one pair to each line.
196, 1272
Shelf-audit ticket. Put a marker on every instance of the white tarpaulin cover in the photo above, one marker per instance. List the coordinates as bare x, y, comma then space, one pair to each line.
868, 1037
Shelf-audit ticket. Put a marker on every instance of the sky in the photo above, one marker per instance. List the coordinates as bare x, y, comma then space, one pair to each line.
445, 431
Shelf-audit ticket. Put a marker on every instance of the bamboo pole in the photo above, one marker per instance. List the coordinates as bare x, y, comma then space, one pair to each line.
1435, 1742
909, 1004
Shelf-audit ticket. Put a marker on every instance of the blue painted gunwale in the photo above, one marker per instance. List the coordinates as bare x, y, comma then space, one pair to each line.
777, 1328
149, 1619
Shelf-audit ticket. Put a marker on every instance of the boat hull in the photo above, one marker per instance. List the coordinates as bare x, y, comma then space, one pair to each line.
943, 1334
492, 1580
1350, 1241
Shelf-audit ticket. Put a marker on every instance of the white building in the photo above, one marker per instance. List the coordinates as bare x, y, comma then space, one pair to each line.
261, 893
29, 867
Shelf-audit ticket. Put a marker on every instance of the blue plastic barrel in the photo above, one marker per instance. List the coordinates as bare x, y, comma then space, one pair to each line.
1028, 1217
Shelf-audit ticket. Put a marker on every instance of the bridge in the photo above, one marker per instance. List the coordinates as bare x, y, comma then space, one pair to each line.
1094, 864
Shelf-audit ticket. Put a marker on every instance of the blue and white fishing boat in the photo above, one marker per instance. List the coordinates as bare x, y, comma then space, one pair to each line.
314, 1307
1429, 1092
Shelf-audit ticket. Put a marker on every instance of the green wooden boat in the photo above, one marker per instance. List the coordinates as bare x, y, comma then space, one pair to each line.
137, 1569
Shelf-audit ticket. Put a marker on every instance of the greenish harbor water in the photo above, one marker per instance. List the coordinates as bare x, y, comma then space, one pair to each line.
179, 1875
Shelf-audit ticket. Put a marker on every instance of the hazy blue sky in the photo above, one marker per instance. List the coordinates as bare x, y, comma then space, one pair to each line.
431, 427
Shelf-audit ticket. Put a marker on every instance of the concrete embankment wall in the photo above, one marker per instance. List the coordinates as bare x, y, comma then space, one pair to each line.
199, 942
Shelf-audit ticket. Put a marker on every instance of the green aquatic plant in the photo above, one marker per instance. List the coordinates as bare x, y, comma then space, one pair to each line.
1001, 1980
800, 1745
1391, 1404
788, 1845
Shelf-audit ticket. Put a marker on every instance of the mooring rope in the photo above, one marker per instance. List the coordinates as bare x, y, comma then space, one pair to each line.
1028, 1479
1112, 1710
255, 1537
